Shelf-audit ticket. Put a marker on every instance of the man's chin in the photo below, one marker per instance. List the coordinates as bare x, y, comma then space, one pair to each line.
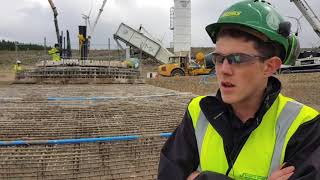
228, 99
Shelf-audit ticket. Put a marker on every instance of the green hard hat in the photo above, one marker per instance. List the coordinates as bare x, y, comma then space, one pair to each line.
258, 16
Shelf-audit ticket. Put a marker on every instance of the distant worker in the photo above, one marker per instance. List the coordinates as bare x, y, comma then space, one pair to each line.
83, 46
82, 39
55, 53
17, 68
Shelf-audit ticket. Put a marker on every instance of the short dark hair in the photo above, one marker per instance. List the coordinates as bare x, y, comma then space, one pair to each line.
266, 49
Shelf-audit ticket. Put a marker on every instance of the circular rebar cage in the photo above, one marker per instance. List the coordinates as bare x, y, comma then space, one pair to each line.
85, 131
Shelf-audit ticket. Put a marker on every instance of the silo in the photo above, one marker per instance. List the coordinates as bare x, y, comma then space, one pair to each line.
182, 27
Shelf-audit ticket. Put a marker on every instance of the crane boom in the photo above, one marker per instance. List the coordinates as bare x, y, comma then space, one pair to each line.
98, 17
55, 13
309, 14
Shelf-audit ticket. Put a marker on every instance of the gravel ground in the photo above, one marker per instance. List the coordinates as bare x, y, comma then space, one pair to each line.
302, 87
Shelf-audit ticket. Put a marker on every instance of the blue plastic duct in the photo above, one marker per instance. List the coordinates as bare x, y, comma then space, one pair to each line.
81, 140
106, 97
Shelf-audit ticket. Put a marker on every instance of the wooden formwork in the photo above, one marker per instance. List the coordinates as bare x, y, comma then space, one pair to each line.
38, 113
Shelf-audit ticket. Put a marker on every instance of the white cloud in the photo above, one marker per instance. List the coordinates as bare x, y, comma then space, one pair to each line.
43, 3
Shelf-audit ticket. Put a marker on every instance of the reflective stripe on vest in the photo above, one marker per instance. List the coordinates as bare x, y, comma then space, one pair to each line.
284, 117
200, 130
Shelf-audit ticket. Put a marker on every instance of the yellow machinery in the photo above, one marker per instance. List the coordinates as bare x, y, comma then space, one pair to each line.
181, 66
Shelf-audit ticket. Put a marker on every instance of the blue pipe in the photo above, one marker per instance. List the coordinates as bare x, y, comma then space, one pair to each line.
82, 105
66, 98
101, 97
165, 134
79, 98
81, 140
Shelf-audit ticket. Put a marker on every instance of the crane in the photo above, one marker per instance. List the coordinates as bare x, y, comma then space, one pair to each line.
308, 63
96, 20
309, 14
55, 14
64, 53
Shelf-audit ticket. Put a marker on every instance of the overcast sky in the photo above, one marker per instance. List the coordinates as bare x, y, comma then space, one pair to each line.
32, 20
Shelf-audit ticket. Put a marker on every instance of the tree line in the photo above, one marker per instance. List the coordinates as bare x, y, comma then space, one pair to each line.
11, 46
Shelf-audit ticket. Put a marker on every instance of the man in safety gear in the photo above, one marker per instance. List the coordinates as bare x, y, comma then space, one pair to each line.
249, 130
17, 67
18, 70
55, 53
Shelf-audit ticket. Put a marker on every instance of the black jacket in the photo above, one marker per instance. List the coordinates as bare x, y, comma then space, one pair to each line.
179, 156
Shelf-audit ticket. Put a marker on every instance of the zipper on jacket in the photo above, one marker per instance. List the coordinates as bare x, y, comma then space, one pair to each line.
231, 161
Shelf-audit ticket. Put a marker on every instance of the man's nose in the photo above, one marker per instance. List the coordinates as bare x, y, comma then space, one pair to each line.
226, 67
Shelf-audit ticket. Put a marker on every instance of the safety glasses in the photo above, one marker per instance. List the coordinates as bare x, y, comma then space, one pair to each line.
236, 58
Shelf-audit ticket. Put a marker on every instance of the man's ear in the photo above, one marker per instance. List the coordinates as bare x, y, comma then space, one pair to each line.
271, 65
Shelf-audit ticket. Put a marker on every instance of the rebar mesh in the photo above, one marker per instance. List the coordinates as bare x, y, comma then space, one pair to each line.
30, 112
80, 74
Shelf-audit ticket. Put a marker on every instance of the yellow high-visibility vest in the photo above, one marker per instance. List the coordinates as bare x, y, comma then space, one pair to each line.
17, 68
81, 39
55, 54
264, 149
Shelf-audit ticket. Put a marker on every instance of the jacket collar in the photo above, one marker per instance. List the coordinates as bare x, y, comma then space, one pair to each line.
214, 108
